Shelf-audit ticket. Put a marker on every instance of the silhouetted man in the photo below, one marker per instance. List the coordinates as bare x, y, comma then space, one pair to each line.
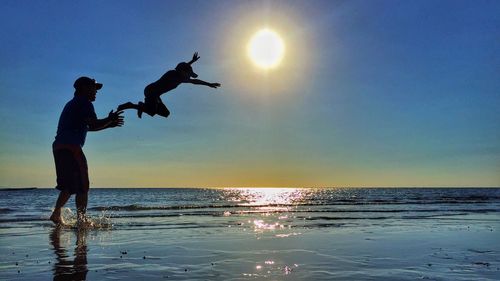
77, 117
153, 104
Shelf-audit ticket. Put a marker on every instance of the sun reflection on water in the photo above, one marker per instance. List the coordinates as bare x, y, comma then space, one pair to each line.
272, 207
266, 196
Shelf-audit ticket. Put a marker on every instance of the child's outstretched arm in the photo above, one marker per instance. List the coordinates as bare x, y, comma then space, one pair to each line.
201, 82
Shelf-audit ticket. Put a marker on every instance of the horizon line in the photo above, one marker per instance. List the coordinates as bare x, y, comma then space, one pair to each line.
224, 187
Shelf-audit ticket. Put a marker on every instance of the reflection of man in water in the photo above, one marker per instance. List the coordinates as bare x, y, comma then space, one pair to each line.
153, 104
64, 268
77, 117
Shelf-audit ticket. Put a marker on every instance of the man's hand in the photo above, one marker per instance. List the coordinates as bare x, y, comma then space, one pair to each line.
115, 118
214, 85
195, 58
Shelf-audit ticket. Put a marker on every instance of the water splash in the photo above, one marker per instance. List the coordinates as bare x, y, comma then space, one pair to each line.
102, 221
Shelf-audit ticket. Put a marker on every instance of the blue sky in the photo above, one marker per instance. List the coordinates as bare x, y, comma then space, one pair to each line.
369, 93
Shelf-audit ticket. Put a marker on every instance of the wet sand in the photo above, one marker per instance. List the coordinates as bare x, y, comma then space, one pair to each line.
255, 249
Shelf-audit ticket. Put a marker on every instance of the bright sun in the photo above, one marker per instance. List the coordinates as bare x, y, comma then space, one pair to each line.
266, 49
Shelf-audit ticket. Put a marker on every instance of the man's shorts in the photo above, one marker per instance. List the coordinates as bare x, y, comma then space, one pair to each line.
71, 168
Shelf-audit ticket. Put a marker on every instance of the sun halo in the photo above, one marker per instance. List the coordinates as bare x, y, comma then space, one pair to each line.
266, 49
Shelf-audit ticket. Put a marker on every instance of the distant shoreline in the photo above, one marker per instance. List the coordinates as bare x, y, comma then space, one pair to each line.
18, 188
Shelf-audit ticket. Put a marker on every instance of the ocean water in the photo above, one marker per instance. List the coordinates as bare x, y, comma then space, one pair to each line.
216, 207
257, 234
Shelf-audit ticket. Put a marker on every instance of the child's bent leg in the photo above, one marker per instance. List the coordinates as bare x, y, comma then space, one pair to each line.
127, 105
148, 106
163, 110
140, 109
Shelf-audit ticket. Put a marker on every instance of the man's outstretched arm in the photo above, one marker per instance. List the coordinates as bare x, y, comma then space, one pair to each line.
201, 82
114, 119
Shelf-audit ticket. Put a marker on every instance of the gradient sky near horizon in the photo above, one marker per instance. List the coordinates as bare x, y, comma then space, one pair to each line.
369, 93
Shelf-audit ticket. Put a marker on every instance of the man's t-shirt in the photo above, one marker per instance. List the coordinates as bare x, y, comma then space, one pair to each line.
72, 127
170, 80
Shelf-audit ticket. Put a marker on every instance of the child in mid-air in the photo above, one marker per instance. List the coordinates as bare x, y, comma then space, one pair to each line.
170, 80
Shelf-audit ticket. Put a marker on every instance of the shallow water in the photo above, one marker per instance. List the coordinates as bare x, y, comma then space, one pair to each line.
256, 234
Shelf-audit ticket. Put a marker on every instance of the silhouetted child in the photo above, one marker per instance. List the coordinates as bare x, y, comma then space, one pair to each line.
170, 80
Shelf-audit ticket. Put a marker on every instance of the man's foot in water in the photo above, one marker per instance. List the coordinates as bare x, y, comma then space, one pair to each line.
83, 221
56, 218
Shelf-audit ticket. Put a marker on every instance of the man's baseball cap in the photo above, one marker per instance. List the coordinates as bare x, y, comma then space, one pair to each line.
83, 82
186, 67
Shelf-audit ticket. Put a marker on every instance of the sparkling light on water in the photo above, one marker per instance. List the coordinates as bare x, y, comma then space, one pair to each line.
266, 196
269, 203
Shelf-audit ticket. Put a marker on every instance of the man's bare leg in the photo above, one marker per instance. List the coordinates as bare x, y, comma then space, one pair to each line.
81, 206
56, 214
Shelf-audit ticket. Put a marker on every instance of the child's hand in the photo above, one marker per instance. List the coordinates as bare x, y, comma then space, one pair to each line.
214, 85
195, 57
